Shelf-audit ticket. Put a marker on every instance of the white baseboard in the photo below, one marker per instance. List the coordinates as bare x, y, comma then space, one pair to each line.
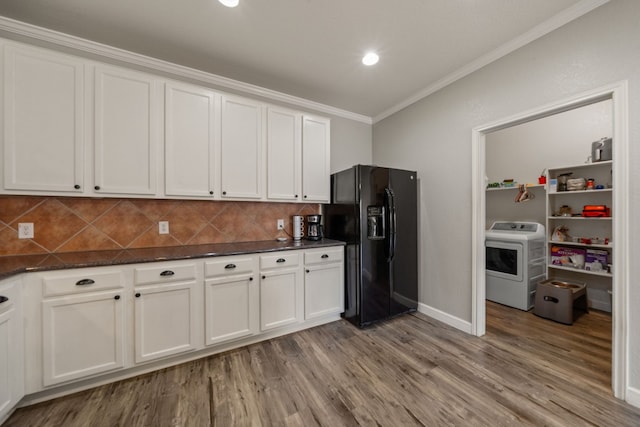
600, 305
443, 317
633, 396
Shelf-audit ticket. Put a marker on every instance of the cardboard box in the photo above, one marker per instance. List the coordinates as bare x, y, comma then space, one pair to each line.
568, 257
596, 260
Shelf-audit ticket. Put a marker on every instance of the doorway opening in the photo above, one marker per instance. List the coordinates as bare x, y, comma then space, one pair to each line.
617, 95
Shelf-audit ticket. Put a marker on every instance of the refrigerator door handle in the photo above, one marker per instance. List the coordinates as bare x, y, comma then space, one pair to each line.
392, 223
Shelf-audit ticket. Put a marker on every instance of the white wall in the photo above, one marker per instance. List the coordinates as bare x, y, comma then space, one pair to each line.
433, 137
522, 152
525, 151
501, 206
351, 144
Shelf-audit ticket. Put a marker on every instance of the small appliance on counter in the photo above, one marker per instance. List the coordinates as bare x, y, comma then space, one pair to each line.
601, 150
314, 227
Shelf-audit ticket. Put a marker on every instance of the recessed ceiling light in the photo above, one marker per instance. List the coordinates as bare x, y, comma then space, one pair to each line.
371, 58
230, 3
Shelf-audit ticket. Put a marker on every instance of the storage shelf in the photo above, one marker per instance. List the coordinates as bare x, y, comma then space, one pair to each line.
515, 187
566, 193
583, 245
579, 270
584, 165
582, 218
582, 226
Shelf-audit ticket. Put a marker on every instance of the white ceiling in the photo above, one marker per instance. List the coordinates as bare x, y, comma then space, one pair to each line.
312, 48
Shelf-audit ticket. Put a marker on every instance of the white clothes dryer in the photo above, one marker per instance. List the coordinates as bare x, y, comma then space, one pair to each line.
515, 262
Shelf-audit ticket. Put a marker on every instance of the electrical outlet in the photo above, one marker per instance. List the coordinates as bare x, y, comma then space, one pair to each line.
280, 224
25, 230
163, 227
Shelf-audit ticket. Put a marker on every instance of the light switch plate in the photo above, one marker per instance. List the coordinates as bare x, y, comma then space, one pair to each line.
163, 227
25, 230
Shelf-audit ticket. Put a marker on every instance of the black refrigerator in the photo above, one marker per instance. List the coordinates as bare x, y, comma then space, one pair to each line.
374, 210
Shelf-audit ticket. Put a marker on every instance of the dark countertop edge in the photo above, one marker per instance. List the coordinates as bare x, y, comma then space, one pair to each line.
17, 264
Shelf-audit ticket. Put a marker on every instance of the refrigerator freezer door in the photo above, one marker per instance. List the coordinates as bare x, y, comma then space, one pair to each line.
342, 222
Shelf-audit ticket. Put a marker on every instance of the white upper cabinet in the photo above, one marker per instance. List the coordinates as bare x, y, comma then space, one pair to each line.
76, 127
242, 148
127, 131
43, 121
316, 138
191, 138
284, 156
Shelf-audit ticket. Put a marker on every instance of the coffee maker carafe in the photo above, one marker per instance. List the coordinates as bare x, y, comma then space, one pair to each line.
314, 228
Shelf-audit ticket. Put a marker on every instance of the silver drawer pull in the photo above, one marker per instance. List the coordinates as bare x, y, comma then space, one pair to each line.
280, 260
230, 266
167, 273
85, 282
3, 299
324, 256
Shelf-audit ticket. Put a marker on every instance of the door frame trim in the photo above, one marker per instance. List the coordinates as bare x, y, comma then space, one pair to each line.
618, 93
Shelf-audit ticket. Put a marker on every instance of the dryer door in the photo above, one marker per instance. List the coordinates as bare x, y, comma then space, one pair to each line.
505, 259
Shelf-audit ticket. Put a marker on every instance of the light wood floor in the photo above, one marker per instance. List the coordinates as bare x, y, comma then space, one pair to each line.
411, 370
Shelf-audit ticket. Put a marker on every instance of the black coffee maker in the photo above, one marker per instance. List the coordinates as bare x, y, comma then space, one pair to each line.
314, 228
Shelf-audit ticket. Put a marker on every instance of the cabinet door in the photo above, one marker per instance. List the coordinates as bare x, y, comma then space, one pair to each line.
241, 148
323, 290
82, 336
316, 139
280, 292
191, 128
165, 321
43, 121
231, 308
284, 138
11, 348
127, 131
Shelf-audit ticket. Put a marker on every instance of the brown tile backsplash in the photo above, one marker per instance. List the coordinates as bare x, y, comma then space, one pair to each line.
82, 224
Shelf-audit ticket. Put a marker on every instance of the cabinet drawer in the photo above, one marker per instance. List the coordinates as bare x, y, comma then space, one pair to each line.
279, 260
164, 273
318, 256
88, 281
228, 265
11, 293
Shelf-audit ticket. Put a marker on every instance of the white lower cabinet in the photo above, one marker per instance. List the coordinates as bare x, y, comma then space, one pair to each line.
323, 282
231, 299
11, 347
231, 308
165, 314
281, 290
101, 324
82, 325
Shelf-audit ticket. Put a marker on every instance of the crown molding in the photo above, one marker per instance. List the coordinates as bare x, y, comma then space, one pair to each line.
536, 32
61, 39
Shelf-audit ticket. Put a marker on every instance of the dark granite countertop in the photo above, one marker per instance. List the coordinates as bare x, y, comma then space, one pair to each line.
12, 265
